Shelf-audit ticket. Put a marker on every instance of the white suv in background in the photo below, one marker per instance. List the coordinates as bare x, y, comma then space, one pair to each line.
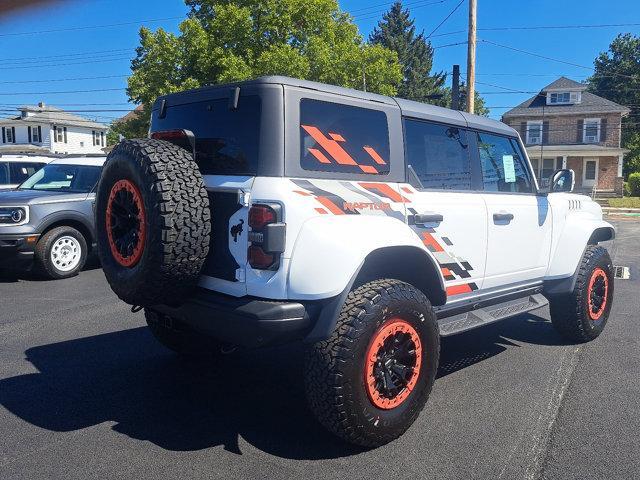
15, 169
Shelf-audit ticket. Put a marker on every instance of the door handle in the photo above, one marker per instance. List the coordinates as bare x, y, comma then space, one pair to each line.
502, 217
422, 218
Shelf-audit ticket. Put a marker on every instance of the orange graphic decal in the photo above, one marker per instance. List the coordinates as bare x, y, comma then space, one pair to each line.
446, 272
365, 206
406, 189
322, 211
428, 240
368, 169
321, 157
459, 289
337, 137
384, 190
300, 192
331, 146
332, 207
376, 158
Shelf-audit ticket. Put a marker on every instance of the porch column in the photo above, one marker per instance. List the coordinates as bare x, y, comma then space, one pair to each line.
564, 161
620, 162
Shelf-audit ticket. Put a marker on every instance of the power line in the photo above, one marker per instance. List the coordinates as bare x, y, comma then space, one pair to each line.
64, 92
89, 27
29, 63
89, 54
376, 15
544, 27
63, 79
445, 18
65, 64
387, 5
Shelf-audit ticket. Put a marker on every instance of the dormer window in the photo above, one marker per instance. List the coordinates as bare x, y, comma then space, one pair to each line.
563, 98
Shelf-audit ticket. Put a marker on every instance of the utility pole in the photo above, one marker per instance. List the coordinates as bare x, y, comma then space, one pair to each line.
471, 57
455, 88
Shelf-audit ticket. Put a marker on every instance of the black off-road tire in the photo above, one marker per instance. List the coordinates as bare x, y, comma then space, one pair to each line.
179, 338
335, 368
177, 221
570, 313
43, 263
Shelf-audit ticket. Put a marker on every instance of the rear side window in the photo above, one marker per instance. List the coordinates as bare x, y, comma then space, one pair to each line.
438, 154
21, 171
342, 138
503, 165
227, 140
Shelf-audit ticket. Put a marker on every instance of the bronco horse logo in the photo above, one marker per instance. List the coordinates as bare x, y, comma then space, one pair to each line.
236, 230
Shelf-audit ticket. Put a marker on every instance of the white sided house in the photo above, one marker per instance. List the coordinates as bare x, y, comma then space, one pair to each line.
44, 128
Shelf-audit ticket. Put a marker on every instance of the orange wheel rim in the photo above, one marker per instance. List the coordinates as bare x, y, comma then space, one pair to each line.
597, 293
126, 223
392, 364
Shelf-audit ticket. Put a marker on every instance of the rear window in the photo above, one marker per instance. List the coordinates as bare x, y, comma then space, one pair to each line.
227, 140
342, 138
20, 171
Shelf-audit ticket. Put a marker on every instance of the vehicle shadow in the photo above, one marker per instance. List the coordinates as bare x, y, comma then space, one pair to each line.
151, 394
14, 276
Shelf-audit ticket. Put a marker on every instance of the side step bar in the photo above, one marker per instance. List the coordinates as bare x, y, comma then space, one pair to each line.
483, 316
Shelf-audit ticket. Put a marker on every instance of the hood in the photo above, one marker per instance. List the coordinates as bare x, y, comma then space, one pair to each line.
34, 197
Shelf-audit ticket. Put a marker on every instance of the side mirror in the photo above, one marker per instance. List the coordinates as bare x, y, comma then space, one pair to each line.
563, 181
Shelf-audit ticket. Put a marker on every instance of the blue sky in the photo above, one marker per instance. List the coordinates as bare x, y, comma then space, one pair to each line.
63, 61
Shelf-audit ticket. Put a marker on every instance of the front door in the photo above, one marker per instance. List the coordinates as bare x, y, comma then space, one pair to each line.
590, 172
444, 211
519, 220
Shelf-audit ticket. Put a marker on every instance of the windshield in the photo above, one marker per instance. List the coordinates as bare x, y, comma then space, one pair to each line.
63, 178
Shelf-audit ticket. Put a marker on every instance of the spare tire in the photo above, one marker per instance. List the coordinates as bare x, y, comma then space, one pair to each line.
153, 221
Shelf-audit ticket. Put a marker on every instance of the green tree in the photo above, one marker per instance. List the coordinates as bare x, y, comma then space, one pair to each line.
479, 107
396, 31
224, 40
133, 125
617, 78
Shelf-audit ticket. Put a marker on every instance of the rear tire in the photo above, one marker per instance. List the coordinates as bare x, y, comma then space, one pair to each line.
580, 316
153, 221
60, 253
179, 338
379, 326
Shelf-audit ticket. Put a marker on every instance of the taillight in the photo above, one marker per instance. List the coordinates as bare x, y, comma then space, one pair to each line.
182, 138
261, 216
267, 236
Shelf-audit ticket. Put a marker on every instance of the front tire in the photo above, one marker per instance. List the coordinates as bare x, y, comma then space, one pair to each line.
60, 253
581, 315
370, 379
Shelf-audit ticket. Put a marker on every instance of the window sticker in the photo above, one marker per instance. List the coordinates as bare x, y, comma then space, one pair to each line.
509, 169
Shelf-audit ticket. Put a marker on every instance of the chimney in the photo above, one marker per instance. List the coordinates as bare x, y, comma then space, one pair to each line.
41, 104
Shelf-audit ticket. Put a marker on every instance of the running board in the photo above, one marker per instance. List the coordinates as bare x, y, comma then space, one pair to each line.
489, 314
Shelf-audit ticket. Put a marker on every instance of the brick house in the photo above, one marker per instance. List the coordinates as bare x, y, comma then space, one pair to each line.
564, 126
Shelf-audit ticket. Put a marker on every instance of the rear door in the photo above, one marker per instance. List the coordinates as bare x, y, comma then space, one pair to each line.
446, 211
519, 220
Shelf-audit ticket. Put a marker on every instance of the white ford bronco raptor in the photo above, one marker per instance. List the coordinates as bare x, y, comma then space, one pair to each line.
365, 226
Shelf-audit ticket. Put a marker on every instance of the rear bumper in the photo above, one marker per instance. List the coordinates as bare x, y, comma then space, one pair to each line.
16, 251
248, 322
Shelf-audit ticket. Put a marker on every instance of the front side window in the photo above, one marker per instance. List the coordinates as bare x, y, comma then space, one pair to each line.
342, 138
534, 133
503, 165
438, 154
592, 130
227, 140
64, 178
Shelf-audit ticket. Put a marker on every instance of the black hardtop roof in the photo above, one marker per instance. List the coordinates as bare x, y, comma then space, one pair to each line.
408, 107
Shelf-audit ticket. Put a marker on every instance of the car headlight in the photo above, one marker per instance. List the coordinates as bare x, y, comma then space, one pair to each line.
13, 215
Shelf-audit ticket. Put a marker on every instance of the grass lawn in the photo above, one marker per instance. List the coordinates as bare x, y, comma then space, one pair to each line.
626, 202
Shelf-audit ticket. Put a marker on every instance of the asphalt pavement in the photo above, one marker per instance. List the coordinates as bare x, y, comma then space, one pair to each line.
86, 392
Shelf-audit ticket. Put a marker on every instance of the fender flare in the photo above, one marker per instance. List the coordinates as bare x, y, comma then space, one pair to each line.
68, 216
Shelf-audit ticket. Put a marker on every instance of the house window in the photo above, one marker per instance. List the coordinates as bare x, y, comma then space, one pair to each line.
59, 134
10, 138
534, 132
35, 135
591, 130
102, 139
563, 98
544, 170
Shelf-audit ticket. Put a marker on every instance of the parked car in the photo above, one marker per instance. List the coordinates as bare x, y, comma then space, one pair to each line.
363, 225
47, 222
15, 169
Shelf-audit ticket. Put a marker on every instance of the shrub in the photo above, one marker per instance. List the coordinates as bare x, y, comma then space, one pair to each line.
625, 189
634, 184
